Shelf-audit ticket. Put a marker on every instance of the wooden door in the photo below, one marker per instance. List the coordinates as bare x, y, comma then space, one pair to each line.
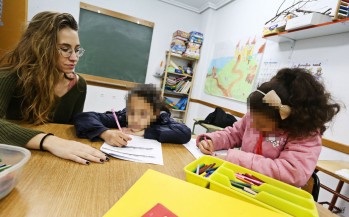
14, 19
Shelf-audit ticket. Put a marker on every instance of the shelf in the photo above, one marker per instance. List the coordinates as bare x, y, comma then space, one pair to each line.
180, 60
182, 57
177, 110
183, 75
329, 28
178, 120
175, 93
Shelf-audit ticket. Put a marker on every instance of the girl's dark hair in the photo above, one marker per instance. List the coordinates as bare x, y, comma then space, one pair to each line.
151, 95
311, 106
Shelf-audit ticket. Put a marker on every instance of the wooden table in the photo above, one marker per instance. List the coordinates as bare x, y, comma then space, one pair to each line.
323, 212
330, 167
50, 186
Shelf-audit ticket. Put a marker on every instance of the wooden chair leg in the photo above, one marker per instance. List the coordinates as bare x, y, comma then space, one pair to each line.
335, 197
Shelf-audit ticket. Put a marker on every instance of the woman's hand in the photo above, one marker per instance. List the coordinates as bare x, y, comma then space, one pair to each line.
68, 149
206, 146
115, 138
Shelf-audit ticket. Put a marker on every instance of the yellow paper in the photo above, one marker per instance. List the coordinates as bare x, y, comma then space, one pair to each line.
182, 198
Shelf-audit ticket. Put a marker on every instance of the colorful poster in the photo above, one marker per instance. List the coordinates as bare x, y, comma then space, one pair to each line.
314, 67
234, 68
269, 68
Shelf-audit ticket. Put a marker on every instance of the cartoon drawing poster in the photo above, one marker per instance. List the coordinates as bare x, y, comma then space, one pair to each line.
233, 70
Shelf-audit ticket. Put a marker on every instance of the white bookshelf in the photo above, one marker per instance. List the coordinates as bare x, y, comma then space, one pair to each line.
182, 61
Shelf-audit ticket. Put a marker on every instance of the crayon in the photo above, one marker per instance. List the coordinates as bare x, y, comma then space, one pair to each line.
210, 166
246, 179
199, 166
237, 185
243, 180
212, 169
253, 177
203, 169
4, 168
249, 190
240, 183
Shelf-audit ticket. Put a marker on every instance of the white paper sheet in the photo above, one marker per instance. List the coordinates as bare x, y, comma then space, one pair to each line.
138, 150
195, 151
343, 172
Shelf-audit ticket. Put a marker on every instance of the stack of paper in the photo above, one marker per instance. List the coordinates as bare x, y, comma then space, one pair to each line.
138, 150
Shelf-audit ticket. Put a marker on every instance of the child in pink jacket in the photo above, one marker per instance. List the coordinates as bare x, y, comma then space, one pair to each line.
280, 136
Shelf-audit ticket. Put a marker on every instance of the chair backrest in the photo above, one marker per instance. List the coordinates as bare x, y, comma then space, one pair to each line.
219, 118
313, 186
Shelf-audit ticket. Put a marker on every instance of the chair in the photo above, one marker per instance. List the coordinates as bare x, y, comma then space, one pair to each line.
313, 186
208, 127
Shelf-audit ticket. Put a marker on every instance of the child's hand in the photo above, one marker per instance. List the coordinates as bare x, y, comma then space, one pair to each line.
206, 146
115, 138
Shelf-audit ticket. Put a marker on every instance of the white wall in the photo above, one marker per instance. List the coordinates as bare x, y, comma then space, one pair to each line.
230, 24
167, 19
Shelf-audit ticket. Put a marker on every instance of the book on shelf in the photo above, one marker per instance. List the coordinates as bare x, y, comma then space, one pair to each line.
185, 87
170, 103
178, 86
181, 104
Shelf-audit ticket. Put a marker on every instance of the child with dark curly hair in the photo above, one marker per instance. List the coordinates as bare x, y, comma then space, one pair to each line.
280, 136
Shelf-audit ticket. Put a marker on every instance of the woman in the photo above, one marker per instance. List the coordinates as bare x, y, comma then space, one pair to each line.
38, 85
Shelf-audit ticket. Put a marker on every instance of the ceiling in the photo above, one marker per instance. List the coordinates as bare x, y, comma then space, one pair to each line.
198, 6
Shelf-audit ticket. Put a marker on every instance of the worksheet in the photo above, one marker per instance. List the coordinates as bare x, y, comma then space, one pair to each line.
195, 151
138, 150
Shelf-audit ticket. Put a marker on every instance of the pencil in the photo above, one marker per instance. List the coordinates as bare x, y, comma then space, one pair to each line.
116, 119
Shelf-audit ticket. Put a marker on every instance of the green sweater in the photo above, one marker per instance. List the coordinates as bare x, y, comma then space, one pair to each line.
64, 110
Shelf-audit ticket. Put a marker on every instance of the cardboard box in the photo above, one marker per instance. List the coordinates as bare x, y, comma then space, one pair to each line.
307, 20
274, 28
196, 37
178, 46
181, 34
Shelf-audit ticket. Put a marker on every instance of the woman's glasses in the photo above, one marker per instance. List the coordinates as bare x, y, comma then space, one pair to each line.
67, 52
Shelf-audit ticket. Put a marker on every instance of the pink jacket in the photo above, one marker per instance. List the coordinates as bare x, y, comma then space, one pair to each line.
290, 161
